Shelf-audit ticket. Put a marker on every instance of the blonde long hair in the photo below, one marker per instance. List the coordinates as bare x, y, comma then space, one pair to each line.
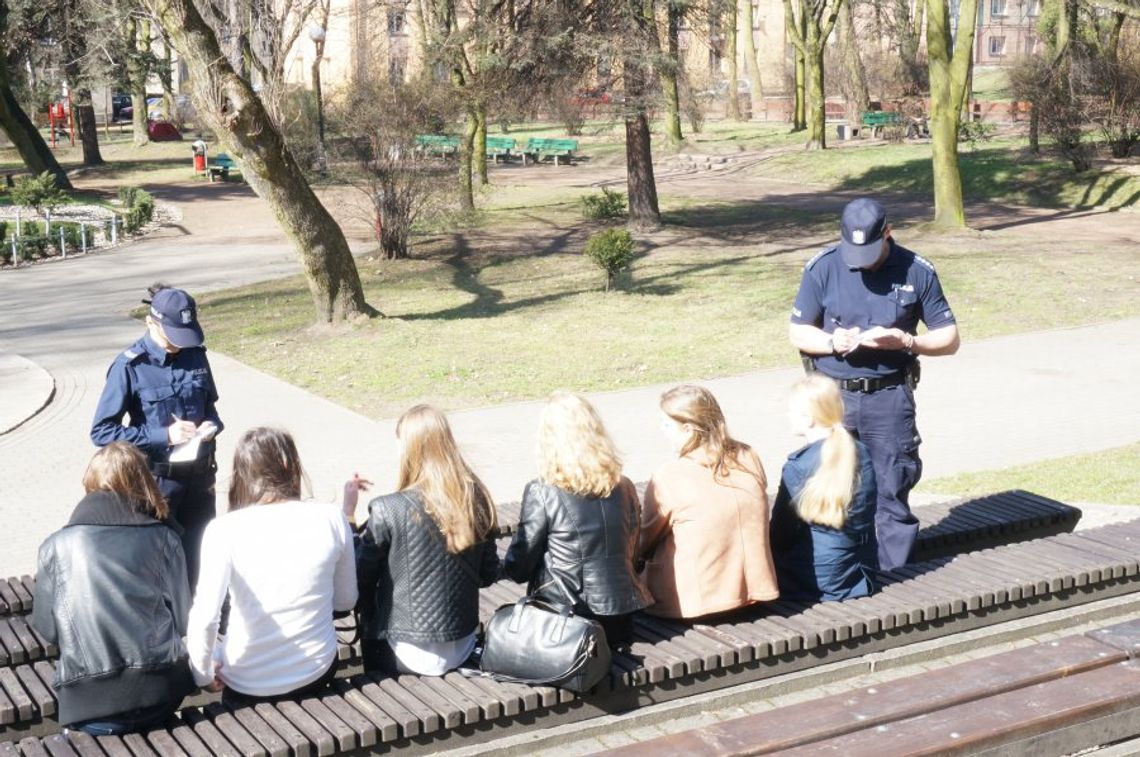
451, 493
826, 495
121, 468
697, 407
574, 451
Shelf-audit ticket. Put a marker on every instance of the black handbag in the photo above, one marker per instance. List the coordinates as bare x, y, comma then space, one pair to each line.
535, 642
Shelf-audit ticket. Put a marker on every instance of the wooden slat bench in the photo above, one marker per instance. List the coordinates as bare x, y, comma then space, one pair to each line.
669, 660
538, 148
1006, 699
439, 145
501, 147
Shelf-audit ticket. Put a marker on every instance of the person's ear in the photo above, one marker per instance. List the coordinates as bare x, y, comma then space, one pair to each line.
887, 231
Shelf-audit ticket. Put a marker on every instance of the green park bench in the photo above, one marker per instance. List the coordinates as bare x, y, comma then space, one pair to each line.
220, 166
500, 146
538, 148
439, 145
875, 120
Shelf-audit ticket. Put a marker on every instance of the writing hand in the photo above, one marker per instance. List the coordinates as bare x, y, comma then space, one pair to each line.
885, 339
845, 340
180, 431
208, 430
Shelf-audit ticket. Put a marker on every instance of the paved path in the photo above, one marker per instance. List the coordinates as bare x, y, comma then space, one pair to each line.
999, 402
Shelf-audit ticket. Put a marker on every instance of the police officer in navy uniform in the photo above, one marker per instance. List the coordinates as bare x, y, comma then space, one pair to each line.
163, 385
855, 319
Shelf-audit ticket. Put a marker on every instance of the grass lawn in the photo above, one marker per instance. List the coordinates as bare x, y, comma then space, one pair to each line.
1000, 170
1109, 477
511, 310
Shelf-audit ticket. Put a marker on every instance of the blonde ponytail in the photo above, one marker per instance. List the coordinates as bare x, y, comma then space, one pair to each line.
826, 495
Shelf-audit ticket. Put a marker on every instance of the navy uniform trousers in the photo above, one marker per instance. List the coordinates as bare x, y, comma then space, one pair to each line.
885, 422
193, 504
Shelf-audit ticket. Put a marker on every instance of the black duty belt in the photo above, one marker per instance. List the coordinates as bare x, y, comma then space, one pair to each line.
184, 470
872, 384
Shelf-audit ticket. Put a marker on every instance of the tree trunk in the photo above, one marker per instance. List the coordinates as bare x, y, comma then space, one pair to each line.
668, 74
799, 117
27, 140
227, 105
641, 185
732, 104
480, 145
467, 162
817, 113
752, 61
949, 70
84, 115
136, 71
170, 104
1034, 130
855, 76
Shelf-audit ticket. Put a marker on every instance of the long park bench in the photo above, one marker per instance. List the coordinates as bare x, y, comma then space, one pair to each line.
668, 659
438, 145
876, 120
1056, 697
538, 148
220, 166
501, 147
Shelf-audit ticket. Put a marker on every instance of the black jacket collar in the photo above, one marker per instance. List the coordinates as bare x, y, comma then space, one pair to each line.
102, 508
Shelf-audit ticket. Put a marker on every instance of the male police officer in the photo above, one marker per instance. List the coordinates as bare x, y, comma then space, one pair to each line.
163, 384
856, 316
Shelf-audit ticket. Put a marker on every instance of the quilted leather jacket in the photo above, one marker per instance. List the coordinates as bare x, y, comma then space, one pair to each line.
579, 550
111, 591
411, 588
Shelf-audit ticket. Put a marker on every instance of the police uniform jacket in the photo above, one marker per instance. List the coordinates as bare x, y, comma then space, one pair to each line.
150, 387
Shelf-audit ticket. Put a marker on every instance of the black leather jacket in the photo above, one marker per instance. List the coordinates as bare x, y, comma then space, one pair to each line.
111, 592
579, 550
411, 588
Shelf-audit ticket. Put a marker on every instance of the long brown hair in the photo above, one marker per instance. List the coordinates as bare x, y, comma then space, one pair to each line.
430, 463
267, 468
697, 407
826, 495
575, 453
121, 468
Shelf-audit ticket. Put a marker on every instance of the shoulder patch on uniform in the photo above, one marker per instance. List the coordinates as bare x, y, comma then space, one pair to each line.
131, 354
817, 257
918, 258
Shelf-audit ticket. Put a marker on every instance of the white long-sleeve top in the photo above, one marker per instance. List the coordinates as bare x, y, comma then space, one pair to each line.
287, 566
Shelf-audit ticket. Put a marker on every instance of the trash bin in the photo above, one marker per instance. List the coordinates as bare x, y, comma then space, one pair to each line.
199, 149
841, 131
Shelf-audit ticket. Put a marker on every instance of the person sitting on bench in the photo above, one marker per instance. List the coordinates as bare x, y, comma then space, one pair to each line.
287, 565
823, 522
578, 531
111, 591
704, 531
425, 553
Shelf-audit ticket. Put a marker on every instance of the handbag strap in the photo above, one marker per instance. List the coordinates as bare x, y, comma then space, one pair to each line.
576, 665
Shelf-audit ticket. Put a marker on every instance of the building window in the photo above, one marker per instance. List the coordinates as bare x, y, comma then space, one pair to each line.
396, 66
997, 8
395, 22
997, 46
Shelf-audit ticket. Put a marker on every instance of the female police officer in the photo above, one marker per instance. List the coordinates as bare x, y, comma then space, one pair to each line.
163, 384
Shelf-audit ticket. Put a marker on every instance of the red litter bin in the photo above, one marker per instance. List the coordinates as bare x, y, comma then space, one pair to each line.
199, 163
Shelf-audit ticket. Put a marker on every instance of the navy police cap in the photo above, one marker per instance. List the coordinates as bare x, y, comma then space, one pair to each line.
177, 313
861, 228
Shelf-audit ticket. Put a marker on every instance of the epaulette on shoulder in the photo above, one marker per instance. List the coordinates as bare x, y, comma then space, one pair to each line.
919, 259
818, 256
130, 355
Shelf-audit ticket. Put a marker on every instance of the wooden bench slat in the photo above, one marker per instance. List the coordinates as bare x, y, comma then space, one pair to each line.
1124, 637
205, 730
9, 749
468, 708
14, 653
510, 702
21, 590
386, 727
298, 743
407, 721
31, 747
237, 735
16, 694
260, 730
1120, 563
41, 696
165, 744
429, 719
57, 745
304, 722
449, 714
85, 744
489, 705
344, 735
189, 741
10, 598
138, 746
708, 653
113, 746
366, 732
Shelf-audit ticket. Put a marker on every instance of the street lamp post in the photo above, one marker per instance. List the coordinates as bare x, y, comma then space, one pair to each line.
317, 34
